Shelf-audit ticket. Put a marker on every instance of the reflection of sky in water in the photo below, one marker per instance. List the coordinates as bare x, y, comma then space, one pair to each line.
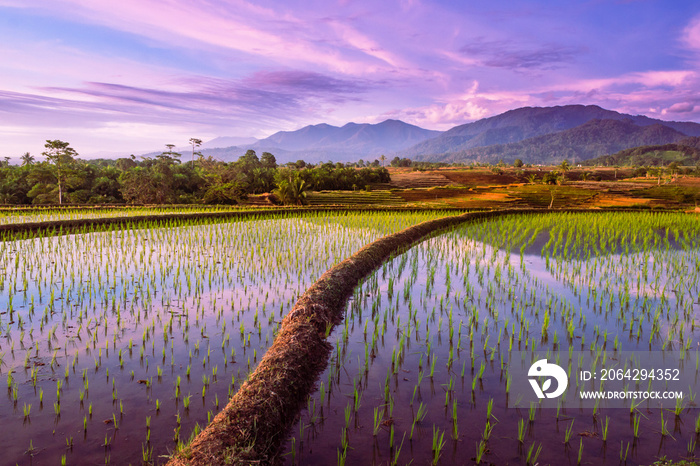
663, 278
242, 264
200, 296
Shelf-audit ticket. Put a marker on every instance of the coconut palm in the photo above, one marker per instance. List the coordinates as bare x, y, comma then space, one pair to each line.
27, 159
291, 190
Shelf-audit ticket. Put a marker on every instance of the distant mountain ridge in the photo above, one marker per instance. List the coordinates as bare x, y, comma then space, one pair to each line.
228, 141
323, 142
514, 134
591, 139
354, 140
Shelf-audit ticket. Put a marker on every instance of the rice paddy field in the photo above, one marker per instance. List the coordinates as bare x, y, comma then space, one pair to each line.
118, 346
420, 371
52, 214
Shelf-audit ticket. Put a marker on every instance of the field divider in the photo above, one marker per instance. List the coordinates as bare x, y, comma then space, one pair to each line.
10, 231
254, 424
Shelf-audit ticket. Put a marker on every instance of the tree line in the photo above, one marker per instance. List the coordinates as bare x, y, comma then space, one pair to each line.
63, 178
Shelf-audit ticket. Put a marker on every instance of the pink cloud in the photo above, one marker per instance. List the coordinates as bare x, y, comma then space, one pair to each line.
241, 26
680, 107
691, 34
461, 108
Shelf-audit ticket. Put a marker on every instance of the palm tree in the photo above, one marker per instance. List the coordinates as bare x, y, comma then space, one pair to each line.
382, 158
565, 167
27, 159
292, 190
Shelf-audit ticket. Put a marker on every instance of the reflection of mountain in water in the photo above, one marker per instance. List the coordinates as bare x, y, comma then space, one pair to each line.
537, 245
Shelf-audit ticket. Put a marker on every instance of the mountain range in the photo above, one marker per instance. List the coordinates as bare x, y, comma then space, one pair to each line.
532, 134
591, 139
323, 142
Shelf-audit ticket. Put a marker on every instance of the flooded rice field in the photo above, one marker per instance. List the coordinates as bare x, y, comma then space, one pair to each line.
424, 365
117, 347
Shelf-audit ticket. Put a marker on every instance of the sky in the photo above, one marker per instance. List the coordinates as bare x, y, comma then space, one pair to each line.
116, 77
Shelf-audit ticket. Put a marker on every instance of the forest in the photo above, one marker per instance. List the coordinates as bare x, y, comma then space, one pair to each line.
63, 178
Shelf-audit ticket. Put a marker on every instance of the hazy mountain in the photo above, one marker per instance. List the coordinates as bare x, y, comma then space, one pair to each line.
525, 123
228, 141
592, 139
349, 142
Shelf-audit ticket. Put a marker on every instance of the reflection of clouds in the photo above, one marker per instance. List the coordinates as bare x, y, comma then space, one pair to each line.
568, 288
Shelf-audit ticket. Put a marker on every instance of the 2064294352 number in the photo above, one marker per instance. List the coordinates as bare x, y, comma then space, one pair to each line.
639, 374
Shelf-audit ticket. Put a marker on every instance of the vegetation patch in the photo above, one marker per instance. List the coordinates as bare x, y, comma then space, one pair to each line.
672, 194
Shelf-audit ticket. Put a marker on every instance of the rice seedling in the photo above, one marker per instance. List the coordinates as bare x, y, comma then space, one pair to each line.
567, 433
480, 450
580, 450
438, 444
532, 454
624, 452
521, 430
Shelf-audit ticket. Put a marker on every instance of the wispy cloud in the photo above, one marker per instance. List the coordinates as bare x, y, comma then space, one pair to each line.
512, 55
242, 26
269, 96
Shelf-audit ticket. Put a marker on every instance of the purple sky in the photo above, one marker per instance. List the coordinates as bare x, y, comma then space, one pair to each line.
132, 75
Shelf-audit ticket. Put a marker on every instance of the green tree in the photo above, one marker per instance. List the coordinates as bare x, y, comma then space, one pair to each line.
61, 157
223, 183
125, 164
195, 143
518, 163
673, 168
657, 173
137, 186
268, 160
